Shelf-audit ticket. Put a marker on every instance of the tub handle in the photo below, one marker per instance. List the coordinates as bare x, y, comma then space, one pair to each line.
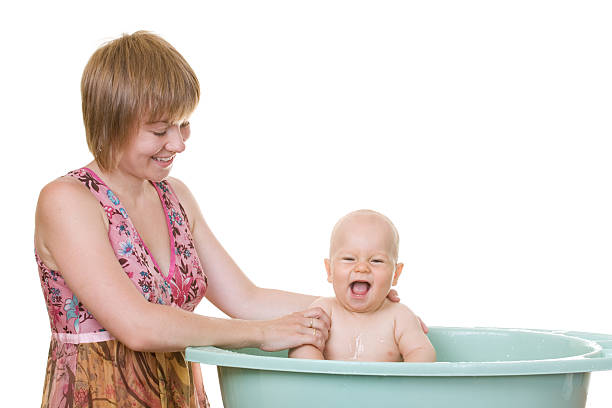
604, 340
606, 346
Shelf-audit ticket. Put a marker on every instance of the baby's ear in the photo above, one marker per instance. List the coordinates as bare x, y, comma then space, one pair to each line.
398, 272
328, 269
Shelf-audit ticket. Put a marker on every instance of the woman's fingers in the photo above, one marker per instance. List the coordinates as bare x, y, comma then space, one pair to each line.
316, 318
308, 327
393, 296
318, 313
311, 324
423, 325
320, 324
315, 337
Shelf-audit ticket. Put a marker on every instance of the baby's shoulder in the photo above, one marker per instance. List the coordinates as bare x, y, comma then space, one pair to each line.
325, 303
401, 312
396, 307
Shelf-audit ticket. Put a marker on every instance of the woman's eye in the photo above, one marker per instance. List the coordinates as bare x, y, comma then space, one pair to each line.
159, 133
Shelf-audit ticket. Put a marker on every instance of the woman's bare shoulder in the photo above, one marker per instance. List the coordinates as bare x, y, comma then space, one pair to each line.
63, 193
62, 185
63, 197
60, 201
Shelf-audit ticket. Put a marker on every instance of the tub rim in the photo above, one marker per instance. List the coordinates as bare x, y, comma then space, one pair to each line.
599, 358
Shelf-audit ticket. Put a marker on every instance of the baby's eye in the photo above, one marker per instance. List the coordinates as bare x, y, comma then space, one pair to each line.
348, 258
377, 261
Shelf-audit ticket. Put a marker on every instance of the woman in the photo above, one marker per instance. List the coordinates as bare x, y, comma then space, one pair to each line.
117, 242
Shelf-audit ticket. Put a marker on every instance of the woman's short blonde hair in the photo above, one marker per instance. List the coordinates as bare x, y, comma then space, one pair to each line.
131, 80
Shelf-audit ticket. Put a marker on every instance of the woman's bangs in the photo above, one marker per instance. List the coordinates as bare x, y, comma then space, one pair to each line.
172, 99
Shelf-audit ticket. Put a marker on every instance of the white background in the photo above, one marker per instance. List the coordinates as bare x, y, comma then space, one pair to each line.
482, 129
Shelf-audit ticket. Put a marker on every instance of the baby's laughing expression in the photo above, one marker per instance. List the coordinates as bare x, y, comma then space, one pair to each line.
362, 265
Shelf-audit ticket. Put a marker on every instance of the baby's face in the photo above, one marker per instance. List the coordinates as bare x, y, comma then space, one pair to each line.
362, 265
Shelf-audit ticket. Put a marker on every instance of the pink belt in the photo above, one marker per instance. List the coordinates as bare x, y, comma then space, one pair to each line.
82, 337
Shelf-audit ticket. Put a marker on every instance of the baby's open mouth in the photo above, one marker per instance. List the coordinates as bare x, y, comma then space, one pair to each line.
360, 288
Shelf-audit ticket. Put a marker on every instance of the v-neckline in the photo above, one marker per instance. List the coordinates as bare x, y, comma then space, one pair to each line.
172, 265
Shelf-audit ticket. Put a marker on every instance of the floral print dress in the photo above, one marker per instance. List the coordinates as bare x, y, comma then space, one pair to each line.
86, 366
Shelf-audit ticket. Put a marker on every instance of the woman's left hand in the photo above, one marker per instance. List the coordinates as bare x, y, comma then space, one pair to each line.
393, 296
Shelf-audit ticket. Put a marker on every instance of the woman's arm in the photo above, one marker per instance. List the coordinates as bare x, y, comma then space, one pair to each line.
228, 287
70, 228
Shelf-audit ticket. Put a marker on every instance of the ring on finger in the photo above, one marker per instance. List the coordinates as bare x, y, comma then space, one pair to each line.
314, 332
311, 322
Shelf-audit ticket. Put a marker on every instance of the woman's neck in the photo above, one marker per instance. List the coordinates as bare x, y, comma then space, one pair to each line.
123, 184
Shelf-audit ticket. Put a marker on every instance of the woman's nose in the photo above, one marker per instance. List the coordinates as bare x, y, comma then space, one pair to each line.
176, 142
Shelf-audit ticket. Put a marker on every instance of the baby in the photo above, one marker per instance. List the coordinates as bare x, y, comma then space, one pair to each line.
366, 326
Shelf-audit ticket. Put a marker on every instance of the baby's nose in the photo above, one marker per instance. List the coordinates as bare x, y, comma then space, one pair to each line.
362, 267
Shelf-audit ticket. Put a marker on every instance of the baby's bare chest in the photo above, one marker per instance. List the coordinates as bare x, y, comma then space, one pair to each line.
362, 340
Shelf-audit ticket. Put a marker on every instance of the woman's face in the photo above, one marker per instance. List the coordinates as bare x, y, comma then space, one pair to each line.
150, 152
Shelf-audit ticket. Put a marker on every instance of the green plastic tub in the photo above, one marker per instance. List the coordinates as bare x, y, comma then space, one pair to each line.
476, 368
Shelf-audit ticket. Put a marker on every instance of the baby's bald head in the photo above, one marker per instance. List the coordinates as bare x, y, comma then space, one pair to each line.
365, 219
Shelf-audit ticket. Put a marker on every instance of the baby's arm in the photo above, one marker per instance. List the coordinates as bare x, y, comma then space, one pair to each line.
413, 344
308, 350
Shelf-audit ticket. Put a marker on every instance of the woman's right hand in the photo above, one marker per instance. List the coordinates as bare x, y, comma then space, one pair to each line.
310, 326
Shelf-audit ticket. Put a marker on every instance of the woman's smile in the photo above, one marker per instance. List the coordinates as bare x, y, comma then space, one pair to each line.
164, 161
